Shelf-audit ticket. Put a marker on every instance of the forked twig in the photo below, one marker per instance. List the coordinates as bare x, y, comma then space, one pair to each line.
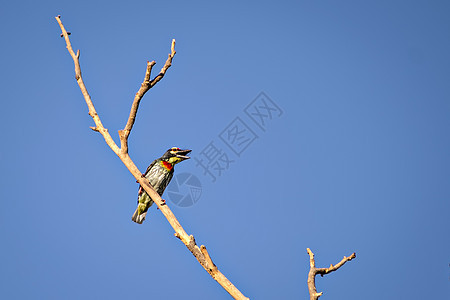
200, 253
313, 271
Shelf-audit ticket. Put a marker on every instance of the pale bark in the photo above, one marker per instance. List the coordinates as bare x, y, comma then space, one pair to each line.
313, 271
200, 253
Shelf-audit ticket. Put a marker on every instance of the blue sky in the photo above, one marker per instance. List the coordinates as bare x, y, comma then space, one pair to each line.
355, 160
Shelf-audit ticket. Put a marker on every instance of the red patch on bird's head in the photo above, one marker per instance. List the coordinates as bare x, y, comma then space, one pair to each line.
167, 165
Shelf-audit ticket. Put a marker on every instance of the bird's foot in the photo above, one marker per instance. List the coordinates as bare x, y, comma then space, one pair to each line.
163, 202
142, 175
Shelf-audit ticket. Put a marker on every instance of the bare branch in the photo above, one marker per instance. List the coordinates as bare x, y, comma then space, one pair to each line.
208, 258
166, 65
145, 86
323, 271
200, 253
87, 98
313, 271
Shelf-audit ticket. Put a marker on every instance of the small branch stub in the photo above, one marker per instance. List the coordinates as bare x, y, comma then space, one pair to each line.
212, 266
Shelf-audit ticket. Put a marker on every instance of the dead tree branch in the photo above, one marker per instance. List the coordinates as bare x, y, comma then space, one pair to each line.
313, 271
200, 253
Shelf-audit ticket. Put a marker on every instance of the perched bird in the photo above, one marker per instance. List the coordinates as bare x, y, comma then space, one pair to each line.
159, 174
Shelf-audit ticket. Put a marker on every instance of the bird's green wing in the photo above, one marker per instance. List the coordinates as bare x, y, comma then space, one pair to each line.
140, 191
149, 167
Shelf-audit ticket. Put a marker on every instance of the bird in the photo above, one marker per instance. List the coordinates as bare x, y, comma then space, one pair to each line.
159, 173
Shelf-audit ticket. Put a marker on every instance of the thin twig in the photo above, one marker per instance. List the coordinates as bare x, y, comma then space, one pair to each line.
313, 271
145, 86
166, 65
92, 111
200, 253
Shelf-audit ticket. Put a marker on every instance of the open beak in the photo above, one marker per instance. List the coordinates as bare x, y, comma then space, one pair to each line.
183, 154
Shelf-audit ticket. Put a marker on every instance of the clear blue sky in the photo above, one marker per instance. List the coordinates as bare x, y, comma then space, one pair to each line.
355, 160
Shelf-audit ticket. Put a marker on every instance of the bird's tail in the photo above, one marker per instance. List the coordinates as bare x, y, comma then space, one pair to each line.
138, 218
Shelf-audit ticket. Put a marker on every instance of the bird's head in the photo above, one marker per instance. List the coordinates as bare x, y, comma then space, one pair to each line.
175, 155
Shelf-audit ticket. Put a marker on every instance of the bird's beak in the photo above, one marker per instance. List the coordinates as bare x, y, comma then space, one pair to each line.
182, 154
